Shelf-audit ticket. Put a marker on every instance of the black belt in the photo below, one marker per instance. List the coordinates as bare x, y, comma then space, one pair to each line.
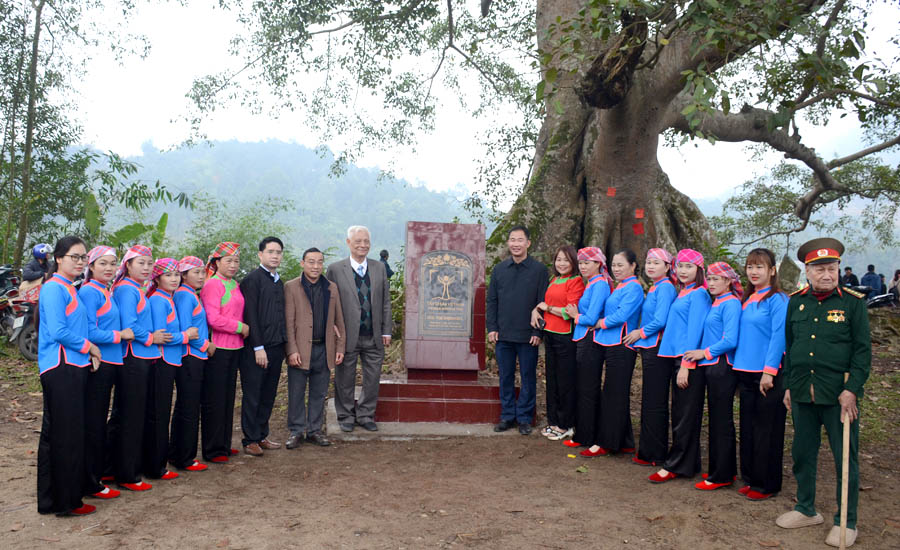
318, 340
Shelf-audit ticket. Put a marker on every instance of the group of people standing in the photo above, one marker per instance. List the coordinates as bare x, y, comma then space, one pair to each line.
701, 337
137, 330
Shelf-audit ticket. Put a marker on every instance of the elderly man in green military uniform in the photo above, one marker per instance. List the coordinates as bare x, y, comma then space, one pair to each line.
827, 336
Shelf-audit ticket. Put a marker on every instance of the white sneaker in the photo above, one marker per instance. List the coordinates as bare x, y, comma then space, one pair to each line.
834, 537
795, 519
557, 436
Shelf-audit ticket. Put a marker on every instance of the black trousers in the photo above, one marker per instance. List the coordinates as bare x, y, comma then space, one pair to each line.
217, 404
186, 416
762, 432
126, 423
687, 417
721, 382
589, 368
160, 384
616, 432
60, 460
97, 395
658, 373
259, 386
560, 352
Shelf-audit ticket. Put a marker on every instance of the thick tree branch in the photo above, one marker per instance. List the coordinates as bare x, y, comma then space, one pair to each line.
841, 91
752, 124
863, 153
683, 54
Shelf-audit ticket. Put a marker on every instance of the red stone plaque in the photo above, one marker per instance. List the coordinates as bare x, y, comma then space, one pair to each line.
443, 330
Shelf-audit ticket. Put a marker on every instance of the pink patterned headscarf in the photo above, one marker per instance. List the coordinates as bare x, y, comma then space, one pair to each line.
189, 262
722, 269
660, 254
94, 254
595, 254
691, 256
162, 265
663, 255
133, 252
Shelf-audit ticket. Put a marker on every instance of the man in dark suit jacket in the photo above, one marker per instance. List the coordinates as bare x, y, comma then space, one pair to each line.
366, 303
263, 292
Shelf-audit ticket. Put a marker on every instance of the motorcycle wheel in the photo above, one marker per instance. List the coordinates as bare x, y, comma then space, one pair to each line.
28, 343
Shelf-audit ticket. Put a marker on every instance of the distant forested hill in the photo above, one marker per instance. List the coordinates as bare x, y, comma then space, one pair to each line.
240, 174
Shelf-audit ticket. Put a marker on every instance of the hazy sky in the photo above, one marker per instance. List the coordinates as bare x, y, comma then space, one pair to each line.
122, 107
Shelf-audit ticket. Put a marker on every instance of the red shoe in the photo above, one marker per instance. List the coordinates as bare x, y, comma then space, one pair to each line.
106, 493
196, 467
234, 452
756, 495
571, 443
708, 486
627, 450
108, 478
219, 459
139, 486
656, 478
744, 490
599, 452
640, 462
83, 510
169, 475
705, 476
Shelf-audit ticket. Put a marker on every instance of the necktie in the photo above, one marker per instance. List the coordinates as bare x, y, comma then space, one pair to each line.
361, 270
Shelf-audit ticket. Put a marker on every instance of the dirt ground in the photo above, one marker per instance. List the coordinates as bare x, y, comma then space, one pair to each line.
493, 492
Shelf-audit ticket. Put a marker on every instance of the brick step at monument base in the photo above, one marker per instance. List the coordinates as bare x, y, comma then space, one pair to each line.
439, 396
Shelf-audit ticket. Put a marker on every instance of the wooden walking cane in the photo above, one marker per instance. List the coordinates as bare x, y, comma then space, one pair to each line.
845, 475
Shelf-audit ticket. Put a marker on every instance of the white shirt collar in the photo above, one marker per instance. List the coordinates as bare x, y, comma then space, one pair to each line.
355, 265
275, 276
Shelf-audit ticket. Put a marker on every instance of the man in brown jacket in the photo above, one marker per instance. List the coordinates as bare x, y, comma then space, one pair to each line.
315, 344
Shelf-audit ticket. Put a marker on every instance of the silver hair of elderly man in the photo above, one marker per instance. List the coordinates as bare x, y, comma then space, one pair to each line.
356, 229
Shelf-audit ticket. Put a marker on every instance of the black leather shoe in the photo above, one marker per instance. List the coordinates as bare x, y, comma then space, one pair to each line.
318, 439
346, 426
294, 441
504, 425
369, 425
525, 429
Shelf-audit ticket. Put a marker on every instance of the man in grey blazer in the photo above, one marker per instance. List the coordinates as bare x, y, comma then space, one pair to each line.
366, 303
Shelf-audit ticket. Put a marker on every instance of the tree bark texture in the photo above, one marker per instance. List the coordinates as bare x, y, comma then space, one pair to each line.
596, 180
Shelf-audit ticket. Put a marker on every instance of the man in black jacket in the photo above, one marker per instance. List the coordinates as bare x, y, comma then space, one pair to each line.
518, 284
263, 292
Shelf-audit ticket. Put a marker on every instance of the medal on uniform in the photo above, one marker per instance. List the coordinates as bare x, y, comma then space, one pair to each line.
802, 306
836, 316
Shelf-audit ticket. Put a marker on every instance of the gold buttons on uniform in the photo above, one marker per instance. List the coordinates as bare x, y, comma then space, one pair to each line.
811, 354
816, 320
813, 336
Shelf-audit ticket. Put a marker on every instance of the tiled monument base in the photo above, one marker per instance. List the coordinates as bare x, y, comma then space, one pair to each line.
438, 396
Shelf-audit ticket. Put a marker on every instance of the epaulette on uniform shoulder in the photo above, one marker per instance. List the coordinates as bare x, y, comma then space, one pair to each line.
799, 291
854, 293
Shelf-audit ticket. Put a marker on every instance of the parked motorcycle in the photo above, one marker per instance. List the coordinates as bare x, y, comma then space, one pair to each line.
7, 313
25, 334
8, 279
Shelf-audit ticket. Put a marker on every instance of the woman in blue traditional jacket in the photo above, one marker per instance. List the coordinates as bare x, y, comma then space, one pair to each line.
104, 330
684, 330
713, 370
621, 314
64, 355
126, 423
589, 355
189, 377
164, 281
656, 371
757, 362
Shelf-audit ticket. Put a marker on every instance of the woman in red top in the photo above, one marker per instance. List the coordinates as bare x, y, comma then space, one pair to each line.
566, 287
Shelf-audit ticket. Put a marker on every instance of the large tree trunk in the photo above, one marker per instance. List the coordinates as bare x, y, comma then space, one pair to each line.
596, 180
